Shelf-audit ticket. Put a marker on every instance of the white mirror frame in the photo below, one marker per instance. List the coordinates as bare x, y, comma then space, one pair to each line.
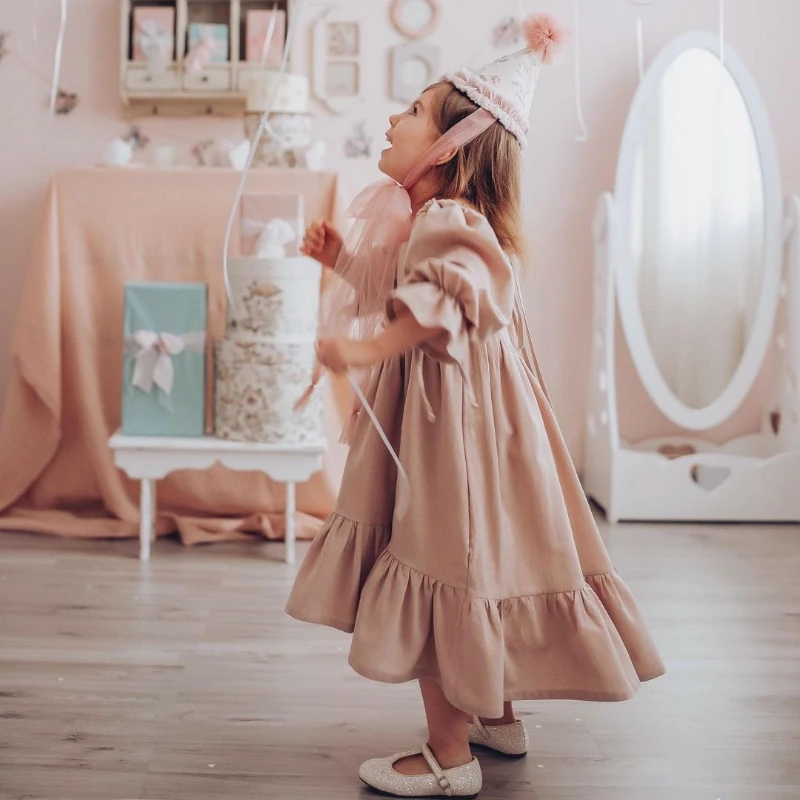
627, 297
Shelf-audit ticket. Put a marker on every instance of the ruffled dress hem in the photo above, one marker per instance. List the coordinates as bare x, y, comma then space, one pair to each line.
588, 643
334, 571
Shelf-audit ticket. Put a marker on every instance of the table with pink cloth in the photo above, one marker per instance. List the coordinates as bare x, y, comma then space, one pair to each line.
102, 228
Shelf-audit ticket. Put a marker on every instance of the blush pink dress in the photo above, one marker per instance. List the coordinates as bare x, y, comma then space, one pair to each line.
495, 583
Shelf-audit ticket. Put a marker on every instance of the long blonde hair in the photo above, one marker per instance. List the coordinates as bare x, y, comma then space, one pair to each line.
486, 172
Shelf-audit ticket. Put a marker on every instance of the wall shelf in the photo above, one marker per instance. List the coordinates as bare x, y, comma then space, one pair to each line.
218, 88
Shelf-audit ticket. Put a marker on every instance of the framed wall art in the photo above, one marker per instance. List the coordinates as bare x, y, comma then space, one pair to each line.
338, 49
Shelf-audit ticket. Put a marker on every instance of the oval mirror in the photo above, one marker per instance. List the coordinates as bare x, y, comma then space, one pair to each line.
699, 248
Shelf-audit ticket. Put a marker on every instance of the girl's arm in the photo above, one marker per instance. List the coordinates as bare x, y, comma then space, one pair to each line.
400, 335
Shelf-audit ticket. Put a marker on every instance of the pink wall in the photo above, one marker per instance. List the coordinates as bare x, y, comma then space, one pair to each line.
565, 177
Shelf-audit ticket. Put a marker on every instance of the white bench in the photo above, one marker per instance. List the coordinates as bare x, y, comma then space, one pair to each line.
149, 458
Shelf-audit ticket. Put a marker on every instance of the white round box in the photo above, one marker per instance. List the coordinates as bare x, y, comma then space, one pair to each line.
266, 360
275, 298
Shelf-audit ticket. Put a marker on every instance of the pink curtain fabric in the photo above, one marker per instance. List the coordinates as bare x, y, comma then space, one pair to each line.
104, 227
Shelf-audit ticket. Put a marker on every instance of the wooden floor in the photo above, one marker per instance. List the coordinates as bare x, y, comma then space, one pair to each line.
184, 679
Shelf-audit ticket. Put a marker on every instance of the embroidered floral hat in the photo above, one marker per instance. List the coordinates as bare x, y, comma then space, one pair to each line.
505, 87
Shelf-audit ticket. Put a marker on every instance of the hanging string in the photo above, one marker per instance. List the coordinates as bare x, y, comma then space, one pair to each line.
640, 46
722, 32
265, 47
403, 486
273, 134
36, 22
57, 60
290, 38
583, 136
640, 35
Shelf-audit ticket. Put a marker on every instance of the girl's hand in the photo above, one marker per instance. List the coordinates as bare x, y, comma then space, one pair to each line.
338, 355
322, 242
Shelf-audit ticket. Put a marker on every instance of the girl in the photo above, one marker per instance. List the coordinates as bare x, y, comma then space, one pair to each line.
493, 584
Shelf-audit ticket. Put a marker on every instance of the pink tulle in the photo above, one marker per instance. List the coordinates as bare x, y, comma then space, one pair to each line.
354, 302
546, 37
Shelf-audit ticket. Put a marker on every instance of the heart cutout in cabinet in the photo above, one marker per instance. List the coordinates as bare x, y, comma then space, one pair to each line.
709, 478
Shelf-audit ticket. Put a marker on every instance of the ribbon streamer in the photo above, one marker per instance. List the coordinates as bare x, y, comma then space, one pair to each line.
270, 35
583, 136
640, 47
640, 35
58, 58
403, 485
35, 35
273, 134
154, 352
297, 9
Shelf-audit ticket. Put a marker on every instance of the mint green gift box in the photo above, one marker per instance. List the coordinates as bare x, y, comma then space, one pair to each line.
164, 368
217, 34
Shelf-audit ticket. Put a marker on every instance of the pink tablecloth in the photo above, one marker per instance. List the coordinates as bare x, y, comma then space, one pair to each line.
105, 227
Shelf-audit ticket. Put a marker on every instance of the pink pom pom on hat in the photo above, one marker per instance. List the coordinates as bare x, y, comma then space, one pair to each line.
505, 87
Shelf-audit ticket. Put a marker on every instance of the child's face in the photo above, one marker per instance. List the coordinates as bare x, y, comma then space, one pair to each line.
410, 135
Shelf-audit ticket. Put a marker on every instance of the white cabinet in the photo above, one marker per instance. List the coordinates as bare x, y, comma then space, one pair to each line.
139, 80
211, 79
177, 86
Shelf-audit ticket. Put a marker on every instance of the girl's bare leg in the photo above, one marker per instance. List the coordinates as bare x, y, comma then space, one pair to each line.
447, 733
507, 718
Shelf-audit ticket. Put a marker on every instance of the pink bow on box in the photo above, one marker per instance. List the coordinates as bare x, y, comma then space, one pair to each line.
154, 357
273, 236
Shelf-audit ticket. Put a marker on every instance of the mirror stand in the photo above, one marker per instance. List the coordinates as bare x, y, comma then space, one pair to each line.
752, 478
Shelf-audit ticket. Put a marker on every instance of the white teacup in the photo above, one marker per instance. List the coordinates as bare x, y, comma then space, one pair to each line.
162, 156
118, 153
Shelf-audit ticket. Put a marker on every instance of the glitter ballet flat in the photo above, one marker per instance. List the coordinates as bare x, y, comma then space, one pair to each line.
510, 740
380, 774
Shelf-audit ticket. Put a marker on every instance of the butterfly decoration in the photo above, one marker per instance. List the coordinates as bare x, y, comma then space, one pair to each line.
507, 33
358, 144
66, 101
136, 138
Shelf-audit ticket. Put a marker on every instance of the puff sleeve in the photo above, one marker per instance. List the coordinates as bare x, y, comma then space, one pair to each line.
455, 279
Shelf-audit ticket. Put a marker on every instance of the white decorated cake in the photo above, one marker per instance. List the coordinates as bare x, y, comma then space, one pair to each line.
265, 362
290, 128
292, 97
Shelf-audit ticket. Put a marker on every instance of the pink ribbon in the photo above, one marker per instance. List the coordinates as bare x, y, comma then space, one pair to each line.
154, 354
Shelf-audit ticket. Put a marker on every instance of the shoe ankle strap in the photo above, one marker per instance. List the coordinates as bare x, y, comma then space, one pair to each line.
437, 771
